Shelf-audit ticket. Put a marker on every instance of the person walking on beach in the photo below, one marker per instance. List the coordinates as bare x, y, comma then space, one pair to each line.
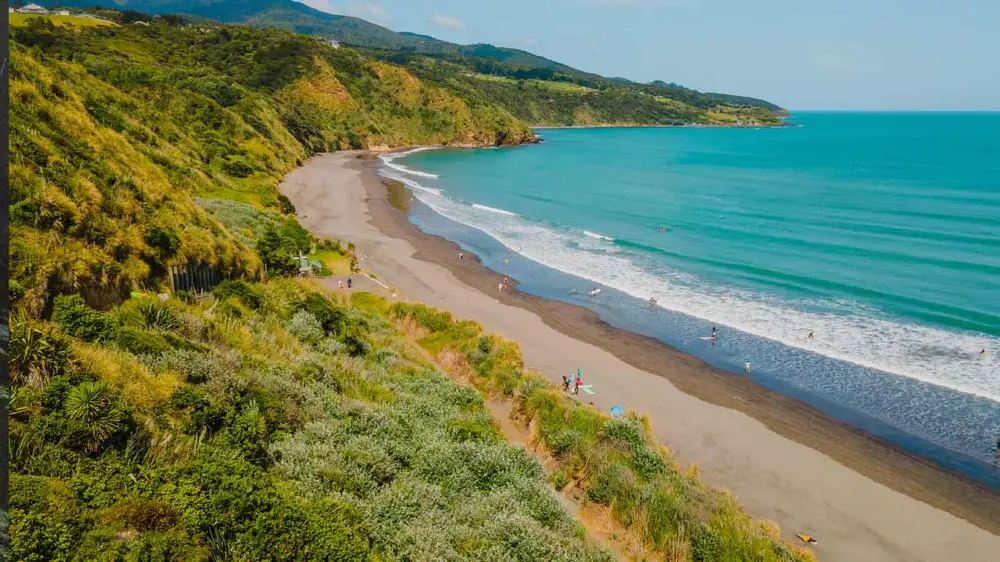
349, 284
340, 283
576, 386
565, 383
500, 287
746, 367
461, 256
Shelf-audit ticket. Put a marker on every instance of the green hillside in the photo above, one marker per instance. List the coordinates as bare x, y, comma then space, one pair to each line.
607, 101
114, 130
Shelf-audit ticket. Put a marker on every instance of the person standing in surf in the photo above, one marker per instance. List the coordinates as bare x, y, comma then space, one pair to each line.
996, 458
746, 367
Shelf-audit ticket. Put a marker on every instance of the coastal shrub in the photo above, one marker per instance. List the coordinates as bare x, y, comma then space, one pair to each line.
305, 327
196, 366
37, 351
237, 168
80, 321
158, 315
142, 342
240, 289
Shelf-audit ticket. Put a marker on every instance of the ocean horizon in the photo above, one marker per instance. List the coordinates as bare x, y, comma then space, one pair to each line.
875, 232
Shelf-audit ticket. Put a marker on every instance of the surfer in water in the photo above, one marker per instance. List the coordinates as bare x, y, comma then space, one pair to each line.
982, 351
715, 332
652, 301
746, 367
595, 291
996, 458
809, 337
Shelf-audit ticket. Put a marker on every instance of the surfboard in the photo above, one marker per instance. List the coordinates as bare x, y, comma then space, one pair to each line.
707, 338
586, 388
807, 539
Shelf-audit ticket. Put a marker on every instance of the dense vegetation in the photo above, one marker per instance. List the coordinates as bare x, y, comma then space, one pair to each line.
614, 462
265, 423
532, 92
115, 129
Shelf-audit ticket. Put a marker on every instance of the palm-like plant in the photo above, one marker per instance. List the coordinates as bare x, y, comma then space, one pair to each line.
95, 406
37, 351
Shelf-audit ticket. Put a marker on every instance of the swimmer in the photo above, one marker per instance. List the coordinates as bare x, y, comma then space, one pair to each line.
652, 301
982, 351
595, 291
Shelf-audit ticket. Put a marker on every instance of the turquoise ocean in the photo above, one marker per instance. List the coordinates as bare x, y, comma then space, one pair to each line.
877, 232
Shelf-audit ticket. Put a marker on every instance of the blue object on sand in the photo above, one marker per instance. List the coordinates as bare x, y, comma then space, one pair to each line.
617, 411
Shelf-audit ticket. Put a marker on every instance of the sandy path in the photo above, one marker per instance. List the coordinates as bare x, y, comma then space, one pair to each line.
804, 491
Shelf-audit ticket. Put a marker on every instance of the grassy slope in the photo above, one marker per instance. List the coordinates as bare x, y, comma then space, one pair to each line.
266, 423
563, 100
20, 20
113, 130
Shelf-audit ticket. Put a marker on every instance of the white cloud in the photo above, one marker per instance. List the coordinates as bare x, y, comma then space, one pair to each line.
447, 21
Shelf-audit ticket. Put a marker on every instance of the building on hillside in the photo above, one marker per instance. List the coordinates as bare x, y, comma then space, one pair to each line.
33, 9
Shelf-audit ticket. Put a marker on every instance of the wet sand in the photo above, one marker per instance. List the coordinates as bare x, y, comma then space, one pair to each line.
862, 497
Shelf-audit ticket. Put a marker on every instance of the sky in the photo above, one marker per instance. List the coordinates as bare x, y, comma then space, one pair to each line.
800, 54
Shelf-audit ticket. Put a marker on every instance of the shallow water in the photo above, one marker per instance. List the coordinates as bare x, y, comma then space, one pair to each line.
878, 233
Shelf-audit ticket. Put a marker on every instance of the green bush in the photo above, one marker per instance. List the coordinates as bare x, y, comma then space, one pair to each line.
240, 289
80, 321
305, 328
237, 168
37, 351
142, 342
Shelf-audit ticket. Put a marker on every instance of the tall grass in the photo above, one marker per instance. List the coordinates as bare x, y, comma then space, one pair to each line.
281, 427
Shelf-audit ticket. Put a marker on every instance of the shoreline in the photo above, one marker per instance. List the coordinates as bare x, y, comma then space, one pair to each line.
852, 493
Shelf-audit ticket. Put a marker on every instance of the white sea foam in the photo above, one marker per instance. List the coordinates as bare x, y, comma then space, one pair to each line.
844, 331
598, 236
493, 210
388, 160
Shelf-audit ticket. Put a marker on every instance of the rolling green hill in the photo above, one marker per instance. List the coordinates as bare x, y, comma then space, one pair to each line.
608, 100
114, 130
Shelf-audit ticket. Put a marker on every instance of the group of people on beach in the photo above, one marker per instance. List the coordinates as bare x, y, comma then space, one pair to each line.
573, 382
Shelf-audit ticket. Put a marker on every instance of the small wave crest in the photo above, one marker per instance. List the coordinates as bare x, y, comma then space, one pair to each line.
493, 210
598, 236
388, 160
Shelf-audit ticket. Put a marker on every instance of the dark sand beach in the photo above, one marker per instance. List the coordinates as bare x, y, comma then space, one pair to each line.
864, 498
